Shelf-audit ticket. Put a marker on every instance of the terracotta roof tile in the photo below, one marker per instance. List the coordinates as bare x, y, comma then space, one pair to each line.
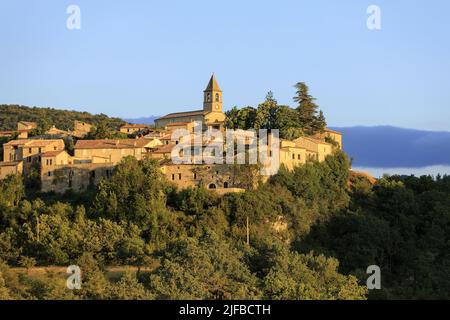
137, 126
51, 154
32, 142
112, 144
164, 149
183, 114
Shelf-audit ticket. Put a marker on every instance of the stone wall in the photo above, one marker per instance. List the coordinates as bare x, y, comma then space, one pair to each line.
75, 176
8, 168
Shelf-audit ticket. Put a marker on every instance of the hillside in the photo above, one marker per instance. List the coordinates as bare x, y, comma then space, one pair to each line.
62, 119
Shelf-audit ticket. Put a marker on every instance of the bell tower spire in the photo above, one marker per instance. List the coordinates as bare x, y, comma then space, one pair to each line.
212, 101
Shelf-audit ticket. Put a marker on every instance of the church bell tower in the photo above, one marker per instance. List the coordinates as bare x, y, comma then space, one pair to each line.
212, 101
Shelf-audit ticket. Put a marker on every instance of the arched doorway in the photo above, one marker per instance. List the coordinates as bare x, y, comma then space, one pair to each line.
225, 185
212, 186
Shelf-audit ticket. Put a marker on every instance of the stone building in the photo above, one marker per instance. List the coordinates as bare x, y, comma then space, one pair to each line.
61, 172
10, 168
211, 116
57, 132
220, 178
331, 135
7, 134
30, 150
24, 128
94, 159
75, 176
114, 150
292, 154
133, 128
315, 149
81, 129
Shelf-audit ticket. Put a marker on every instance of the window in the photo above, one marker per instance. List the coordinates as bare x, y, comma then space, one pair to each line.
173, 177
40, 150
217, 97
49, 174
208, 97
195, 176
299, 157
179, 176
293, 156
30, 150
225, 185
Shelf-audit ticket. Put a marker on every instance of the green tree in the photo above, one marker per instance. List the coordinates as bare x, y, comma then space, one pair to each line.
307, 108
203, 269
129, 288
286, 120
94, 284
266, 113
319, 123
103, 130
12, 191
295, 276
241, 119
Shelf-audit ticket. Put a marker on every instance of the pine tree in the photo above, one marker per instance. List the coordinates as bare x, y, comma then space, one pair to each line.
306, 109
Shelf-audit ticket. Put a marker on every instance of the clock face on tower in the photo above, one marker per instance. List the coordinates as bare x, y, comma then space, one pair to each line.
217, 107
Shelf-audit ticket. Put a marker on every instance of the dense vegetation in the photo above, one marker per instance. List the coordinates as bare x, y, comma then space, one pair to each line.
312, 235
292, 123
46, 117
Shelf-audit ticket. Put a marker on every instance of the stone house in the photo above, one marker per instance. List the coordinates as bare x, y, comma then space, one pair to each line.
291, 154
332, 135
9, 168
113, 150
133, 128
315, 149
24, 128
75, 176
81, 129
30, 150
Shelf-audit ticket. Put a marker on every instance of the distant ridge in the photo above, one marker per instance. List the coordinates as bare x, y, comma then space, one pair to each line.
143, 120
393, 147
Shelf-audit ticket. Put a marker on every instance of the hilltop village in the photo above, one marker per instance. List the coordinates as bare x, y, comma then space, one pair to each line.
92, 160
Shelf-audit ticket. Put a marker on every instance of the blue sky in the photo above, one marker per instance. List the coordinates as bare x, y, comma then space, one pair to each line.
139, 58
